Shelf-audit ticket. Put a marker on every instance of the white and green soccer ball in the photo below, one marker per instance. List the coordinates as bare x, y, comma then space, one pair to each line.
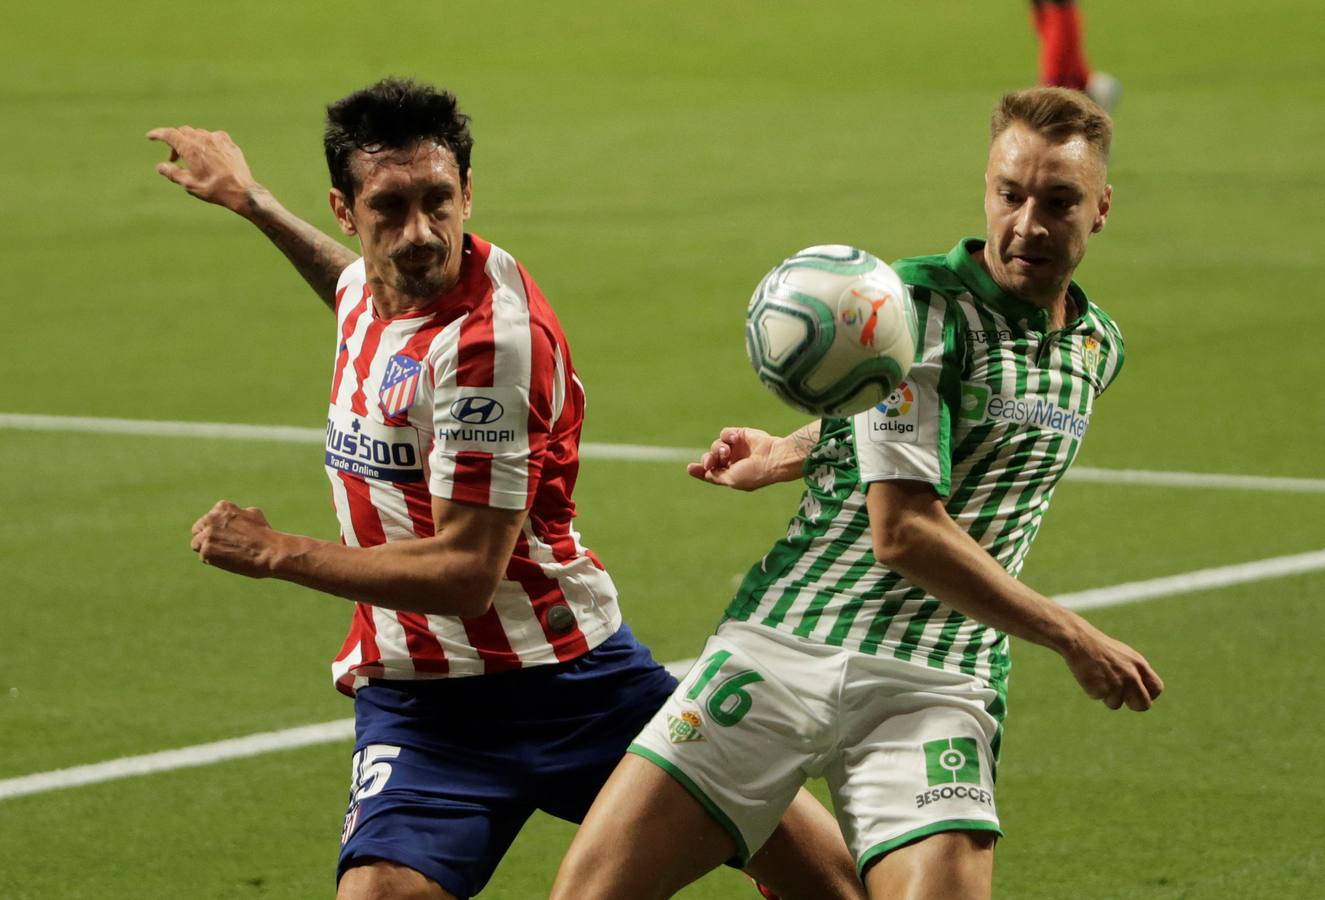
831, 330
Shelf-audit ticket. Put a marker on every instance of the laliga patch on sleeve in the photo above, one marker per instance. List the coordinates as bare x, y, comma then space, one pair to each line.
487, 419
896, 419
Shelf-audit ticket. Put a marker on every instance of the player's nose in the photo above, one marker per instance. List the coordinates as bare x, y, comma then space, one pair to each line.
417, 231
1030, 220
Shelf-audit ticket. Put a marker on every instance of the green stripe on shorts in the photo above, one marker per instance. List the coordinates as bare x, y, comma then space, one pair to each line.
695, 791
879, 850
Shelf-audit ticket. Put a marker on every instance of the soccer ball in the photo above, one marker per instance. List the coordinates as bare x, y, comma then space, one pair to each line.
831, 330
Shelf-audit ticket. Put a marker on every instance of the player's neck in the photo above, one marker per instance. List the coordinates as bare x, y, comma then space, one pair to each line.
388, 302
1057, 305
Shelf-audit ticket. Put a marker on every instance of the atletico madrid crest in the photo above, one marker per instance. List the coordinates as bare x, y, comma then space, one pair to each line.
399, 385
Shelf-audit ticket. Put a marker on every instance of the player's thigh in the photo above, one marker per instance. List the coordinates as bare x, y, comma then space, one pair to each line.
919, 763
743, 729
429, 794
645, 836
383, 880
950, 865
600, 703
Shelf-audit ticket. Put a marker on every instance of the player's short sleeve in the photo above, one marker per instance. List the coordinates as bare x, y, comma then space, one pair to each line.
494, 407
350, 283
909, 435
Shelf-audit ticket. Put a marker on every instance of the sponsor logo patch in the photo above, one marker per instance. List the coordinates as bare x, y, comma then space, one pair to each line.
952, 767
952, 760
485, 419
477, 410
896, 419
371, 449
975, 400
684, 728
980, 404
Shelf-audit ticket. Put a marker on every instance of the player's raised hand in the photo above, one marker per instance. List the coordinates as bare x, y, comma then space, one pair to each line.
207, 164
236, 539
1112, 672
740, 458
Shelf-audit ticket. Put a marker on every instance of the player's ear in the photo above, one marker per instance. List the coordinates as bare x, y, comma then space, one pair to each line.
340, 207
1102, 214
467, 195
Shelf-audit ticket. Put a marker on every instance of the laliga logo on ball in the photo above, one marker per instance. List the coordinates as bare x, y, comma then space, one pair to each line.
831, 330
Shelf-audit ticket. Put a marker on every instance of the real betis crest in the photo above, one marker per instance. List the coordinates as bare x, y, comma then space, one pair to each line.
683, 729
1090, 353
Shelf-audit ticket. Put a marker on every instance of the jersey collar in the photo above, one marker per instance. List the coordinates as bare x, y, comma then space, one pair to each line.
961, 260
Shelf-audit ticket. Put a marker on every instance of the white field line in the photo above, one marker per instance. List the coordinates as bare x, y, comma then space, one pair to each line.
201, 754
633, 452
343, 729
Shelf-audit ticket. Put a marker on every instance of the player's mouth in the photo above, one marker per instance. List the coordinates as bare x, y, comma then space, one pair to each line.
419, 257
1030, 262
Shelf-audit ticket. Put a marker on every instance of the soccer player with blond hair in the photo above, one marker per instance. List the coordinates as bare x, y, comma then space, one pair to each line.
870, 645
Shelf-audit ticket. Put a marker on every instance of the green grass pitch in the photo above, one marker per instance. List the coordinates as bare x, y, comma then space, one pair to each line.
647, 162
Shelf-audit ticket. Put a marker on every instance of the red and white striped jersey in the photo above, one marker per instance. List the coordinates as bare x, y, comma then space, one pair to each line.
472, 399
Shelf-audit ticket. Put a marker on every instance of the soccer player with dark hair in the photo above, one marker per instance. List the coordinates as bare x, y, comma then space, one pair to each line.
491, 672
870, 644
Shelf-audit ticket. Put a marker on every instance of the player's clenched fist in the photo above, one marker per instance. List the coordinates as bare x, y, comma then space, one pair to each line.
207, 164
1112, 672
237, 539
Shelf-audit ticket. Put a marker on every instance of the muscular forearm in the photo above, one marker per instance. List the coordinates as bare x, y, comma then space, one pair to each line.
421, 576
950, 565
319, 258
914, 535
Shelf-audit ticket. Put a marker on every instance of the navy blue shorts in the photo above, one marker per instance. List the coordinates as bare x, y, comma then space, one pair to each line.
447, 771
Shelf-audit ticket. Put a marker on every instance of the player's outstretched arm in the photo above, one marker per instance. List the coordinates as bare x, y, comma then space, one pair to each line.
456, 572
210, 166
914, 535
747, 458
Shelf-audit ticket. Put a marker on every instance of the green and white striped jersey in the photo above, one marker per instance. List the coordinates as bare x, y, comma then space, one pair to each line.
991, 415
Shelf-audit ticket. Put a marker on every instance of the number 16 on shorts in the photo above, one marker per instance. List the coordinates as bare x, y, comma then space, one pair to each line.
727, 700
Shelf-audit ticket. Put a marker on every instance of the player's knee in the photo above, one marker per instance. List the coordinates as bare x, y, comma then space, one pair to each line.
380, 879
943, 866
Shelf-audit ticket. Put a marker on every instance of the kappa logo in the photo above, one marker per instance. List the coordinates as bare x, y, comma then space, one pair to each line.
477, 410
684, 728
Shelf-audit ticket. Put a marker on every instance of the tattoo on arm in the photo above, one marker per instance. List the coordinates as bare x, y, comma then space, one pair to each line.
804, 438
317, 257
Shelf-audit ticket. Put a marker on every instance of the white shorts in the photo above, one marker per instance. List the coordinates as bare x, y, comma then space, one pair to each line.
905, 748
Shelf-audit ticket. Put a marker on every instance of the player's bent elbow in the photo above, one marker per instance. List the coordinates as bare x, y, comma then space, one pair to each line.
472, 597
894, 542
